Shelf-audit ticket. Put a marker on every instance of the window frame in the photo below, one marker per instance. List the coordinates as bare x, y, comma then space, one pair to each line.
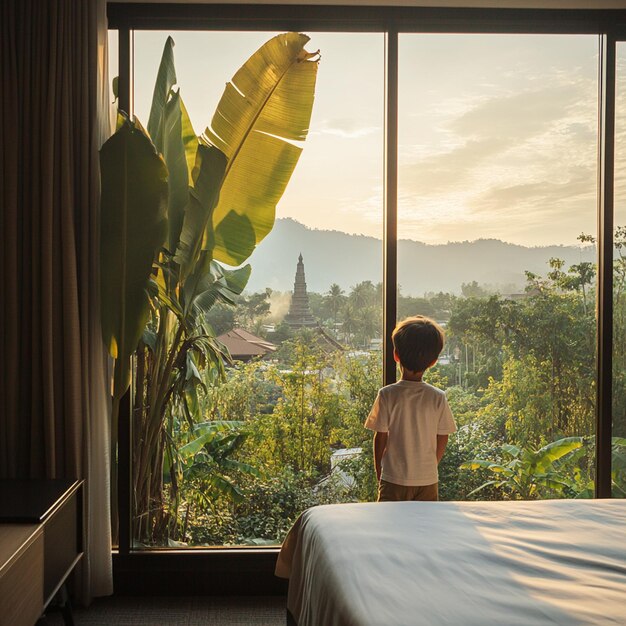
608, 24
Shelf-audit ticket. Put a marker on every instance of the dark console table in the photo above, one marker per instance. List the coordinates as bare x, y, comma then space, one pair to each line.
40, 544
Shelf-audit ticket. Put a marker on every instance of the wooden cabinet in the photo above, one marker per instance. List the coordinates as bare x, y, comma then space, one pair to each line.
40, 544
21, 574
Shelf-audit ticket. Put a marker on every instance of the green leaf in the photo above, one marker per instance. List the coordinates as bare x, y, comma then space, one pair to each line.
218, 284
236, 234
481, 464
207, 175
193, 447
618, 460
228, 445
165, 298
219, 425
190, 140
498, 483
133, 228
264, 109
511, 450
149, 338
546, 456
238, 466
192, 369
166, 79
225, 487
176, 160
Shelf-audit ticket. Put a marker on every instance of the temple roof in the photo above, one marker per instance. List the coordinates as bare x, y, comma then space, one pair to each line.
244, 346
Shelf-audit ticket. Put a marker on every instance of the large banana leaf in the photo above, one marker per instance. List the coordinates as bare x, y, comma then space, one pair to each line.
264, 109
217, 283
207, 177
554, 451
166, 79
133, 228
177, 133
173, 135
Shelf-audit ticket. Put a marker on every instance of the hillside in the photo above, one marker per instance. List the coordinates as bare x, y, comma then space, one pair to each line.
336, 257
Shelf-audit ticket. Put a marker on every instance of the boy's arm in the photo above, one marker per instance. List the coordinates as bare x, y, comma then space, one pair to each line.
380, 443
442, 442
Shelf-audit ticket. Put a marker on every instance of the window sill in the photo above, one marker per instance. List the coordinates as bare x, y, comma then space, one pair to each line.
200, 571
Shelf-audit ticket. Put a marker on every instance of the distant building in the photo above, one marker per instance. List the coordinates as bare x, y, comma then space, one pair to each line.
300, 315
338, 473
244, 346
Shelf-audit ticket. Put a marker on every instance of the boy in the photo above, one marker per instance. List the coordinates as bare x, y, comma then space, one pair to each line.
411, 419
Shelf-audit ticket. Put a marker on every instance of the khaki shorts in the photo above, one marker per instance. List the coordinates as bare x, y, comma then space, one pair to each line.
390, 492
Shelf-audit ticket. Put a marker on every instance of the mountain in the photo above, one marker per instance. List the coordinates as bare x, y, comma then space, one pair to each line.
334, 257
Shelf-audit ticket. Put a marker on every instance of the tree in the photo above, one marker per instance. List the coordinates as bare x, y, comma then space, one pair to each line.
335, 298
348, 322
473, 290
252, 309
298, 431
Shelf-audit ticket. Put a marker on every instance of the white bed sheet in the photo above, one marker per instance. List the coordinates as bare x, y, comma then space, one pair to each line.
458, 563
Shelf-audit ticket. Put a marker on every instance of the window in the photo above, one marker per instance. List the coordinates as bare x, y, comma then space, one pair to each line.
565, 139
497, 181
305, 335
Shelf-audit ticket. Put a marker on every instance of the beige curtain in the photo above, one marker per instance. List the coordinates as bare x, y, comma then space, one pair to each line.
54, 417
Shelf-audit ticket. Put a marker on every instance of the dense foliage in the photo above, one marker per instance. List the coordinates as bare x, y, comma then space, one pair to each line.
519, 370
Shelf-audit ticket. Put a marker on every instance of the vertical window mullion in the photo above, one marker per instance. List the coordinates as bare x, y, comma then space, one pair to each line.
124, 449
390, 238
606, 160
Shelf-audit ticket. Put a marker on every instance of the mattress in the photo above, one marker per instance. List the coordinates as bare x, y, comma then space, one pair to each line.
458, 563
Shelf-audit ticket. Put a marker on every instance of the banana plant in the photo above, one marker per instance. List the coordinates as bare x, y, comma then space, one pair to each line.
528, 472
204, 463
531, 474
618, 473
222, 190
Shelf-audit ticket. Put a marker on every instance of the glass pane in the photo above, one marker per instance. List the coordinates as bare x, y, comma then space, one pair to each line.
497, 225
619, 284
233, 459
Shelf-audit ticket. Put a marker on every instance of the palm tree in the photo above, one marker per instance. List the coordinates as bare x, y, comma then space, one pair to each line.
335, 297
363, 294
349, 319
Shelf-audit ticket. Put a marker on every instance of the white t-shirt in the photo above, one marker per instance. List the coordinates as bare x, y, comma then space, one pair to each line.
413, 413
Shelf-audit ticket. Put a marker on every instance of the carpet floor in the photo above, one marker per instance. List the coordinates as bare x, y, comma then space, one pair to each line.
192, 611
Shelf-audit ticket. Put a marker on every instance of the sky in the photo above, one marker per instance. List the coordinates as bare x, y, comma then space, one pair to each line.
497, 133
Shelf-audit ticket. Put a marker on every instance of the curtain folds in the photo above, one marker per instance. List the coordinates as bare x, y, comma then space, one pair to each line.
54, 413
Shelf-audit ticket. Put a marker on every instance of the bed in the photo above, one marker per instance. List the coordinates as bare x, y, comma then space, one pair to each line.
457, 563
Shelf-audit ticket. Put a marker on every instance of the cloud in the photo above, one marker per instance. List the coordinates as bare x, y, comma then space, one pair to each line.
497, 126
450, 170
345, 128
518, 116
511, 165
540, 199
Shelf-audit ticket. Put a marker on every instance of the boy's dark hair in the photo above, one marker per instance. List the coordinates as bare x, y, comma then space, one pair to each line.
418, 341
